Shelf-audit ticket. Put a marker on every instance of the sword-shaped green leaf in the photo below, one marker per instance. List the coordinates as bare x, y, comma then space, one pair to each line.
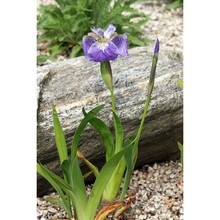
105, 134
101, 181
59, 137
118, 133
44, 173
180, 146
81, 128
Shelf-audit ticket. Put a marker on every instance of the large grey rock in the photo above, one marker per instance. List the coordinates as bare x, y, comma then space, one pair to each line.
77, 83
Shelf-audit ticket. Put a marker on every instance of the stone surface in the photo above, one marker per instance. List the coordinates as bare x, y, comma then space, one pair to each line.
76, 83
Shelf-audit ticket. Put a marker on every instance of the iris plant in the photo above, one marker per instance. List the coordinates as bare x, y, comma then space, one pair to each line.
103, 46
121, 154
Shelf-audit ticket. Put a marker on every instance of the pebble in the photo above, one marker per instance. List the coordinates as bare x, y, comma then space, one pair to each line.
52, 210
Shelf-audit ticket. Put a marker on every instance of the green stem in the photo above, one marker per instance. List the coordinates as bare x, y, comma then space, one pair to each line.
118, 144
149, 92
113, 100
133, 159
147, 103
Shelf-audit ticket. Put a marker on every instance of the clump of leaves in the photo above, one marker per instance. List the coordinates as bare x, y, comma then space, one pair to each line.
175, 4
63, 25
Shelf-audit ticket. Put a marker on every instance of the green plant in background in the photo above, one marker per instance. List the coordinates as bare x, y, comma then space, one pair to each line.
121, 155
62, 25
180, 146
180, 82
175, 4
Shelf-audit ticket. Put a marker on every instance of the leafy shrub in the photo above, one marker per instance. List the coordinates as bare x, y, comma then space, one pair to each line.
175, 4
62, 25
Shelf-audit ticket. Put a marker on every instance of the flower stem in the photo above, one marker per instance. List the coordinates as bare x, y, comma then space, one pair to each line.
133, 158
143, 118
113, 100
150, 88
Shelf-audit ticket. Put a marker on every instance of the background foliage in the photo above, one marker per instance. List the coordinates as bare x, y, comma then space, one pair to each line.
63, 25
174, 4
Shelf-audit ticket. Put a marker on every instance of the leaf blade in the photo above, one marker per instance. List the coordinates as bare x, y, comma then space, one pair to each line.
42, 171
81, 128
59, 136
101, 182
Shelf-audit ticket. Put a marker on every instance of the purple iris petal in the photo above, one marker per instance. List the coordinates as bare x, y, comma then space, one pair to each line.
111, 51
121, 42
97, 55
109, 31
86, 43
98, 31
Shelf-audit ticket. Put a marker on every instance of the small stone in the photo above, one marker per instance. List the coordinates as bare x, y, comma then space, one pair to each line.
52, 210
142, 217
172, 176
168, 172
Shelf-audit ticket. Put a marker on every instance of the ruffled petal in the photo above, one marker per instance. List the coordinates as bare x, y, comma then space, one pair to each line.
111, 50
109, 31
97, 55
98, 31
121, 42
86, 44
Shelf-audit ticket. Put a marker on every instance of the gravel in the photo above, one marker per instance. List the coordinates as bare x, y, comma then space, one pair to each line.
158, 187
167, 25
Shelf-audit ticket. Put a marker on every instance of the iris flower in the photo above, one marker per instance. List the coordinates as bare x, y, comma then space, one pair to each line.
100, 46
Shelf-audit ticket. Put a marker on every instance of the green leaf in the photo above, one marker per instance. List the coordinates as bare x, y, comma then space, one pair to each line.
44, 173
52, 175
66, 168
129, 158
75, 50
101, 181
75, 179
112, 187
59, 136
93, 168
79, 189
76, 190
114, 183
118, 133
81, 128
180, 82
105, 134
180, 146
43, 58
87, 174
136, 41
56, 201
174, 4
